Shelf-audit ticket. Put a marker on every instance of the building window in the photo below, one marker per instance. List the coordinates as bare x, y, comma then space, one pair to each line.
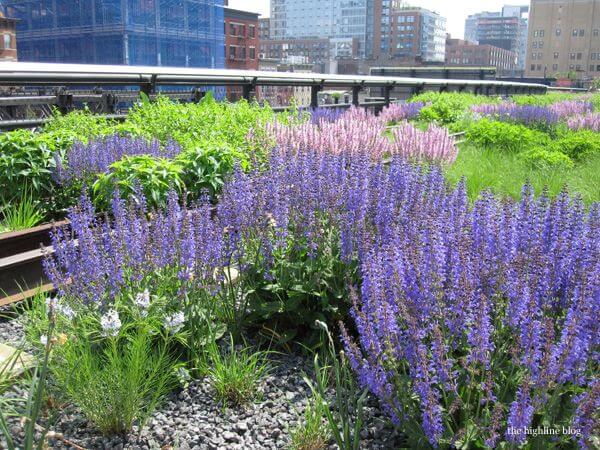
252, 53
231, 52
533, 67
579, 56
541, 44
558, 32
598, 68
555, 55
581, 33
539, 67
541, 33
571, 55
575, 32
578, 67
231, 29
571, 67
596, 32
6, 40
535, 44
252, 31
555, 67
535, 33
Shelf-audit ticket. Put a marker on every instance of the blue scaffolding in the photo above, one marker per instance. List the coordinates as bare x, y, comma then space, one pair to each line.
178, 33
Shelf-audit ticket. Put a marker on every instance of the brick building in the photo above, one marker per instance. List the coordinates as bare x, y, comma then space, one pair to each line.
8, 41
241, 39
465, 53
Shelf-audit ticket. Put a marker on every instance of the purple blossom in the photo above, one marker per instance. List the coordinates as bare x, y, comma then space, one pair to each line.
84, 160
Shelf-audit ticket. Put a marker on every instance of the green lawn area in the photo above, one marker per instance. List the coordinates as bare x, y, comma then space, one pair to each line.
505, 174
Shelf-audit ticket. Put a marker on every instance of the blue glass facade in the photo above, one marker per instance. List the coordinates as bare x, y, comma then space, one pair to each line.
182, 33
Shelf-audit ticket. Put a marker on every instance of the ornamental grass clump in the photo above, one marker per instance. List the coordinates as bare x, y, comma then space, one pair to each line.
477, 325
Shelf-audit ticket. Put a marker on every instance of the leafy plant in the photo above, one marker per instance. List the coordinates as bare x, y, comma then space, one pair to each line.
543, 157
235, 374
133, 175
448, 107
579, 145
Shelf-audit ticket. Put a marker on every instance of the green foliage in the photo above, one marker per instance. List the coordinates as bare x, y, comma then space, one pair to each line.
448, 107
311, 433
307, 283
117, 384
204, 169
79, 125
504, 136
544, 99
345, 418
235, 374
26, 159
542, 156
152, 176
21, 213
579, 144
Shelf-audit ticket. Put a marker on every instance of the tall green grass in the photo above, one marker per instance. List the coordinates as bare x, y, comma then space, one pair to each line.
505, 174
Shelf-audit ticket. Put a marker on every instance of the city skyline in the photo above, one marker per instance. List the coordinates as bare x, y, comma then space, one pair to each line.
455, 12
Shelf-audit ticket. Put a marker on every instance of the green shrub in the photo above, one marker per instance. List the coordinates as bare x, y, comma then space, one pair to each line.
448, 107
544, 157
154, 177
504, 136
578, 144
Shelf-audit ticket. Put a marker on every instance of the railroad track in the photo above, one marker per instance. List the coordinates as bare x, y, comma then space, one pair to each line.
21, 271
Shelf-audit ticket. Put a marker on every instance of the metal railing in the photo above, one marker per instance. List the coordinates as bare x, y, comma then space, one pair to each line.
103, 86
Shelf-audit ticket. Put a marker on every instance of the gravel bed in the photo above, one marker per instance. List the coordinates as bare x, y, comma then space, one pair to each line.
191, 419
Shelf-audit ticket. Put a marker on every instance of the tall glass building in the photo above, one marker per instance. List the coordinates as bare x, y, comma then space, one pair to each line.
182, 33
363, 20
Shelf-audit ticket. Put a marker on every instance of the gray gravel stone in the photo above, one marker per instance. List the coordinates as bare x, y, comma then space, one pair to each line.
192, 420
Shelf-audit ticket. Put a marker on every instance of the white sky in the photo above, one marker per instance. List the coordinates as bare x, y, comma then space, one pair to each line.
455, 11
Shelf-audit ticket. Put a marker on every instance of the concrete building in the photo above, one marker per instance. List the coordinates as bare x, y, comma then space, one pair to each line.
367, 21
417, 36
506, 29
470, 54
8, 42
564, 38
181, 33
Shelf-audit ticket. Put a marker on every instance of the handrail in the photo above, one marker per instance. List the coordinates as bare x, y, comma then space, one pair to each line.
73, 85
67, 74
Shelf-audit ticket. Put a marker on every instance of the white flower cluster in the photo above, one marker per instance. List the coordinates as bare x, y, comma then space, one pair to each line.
54, 305
111, 323
142, 301
174, 322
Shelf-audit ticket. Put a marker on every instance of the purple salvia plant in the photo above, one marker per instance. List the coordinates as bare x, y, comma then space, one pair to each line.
86, 160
